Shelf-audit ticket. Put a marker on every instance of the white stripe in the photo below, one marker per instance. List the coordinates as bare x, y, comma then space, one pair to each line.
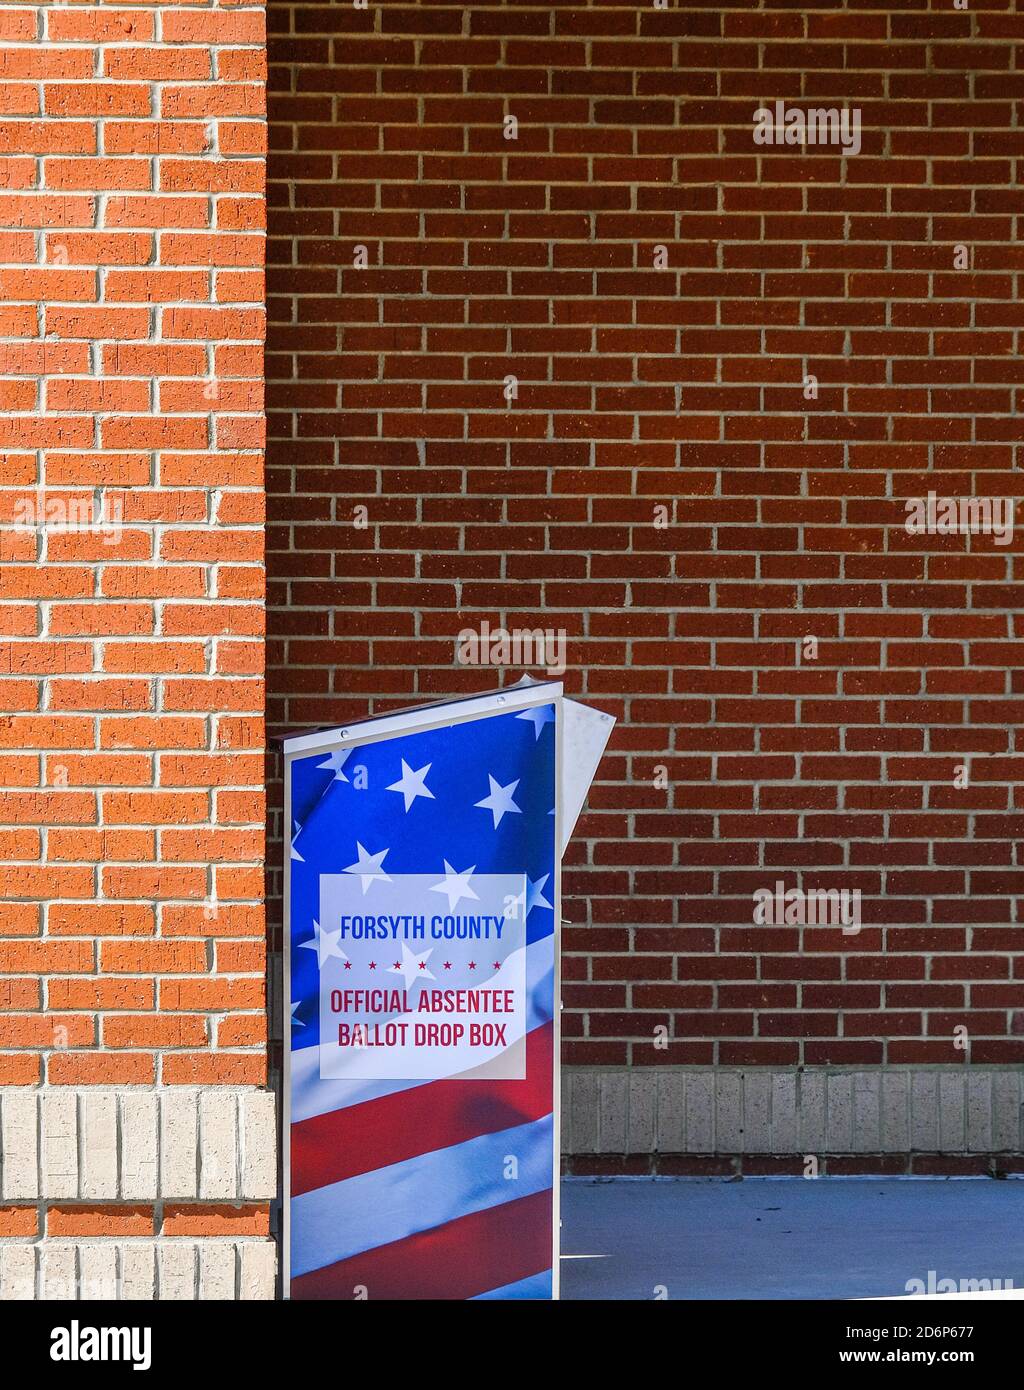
333, 1223
534, 1286
310, 1096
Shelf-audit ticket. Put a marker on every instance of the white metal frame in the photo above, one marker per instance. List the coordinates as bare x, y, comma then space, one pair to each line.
373, 730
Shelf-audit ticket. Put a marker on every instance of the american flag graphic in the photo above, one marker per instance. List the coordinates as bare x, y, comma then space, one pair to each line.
422, 898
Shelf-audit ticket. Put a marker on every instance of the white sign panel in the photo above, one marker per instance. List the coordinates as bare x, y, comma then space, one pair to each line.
423, 978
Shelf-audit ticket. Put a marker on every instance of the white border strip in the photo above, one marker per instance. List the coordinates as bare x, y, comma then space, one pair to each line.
423, 717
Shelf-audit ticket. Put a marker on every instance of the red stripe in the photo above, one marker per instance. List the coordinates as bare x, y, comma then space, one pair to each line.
360, 1138
461, 1259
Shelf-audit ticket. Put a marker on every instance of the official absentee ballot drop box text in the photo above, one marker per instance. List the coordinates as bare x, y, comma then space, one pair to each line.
422, 915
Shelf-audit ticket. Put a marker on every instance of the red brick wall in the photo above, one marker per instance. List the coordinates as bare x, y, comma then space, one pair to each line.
131, 549
681, 387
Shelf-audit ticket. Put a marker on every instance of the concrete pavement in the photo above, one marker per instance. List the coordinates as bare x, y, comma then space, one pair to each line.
787, 1238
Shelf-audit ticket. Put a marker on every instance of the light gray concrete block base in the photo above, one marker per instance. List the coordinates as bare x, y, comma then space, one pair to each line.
103, 1149
181, 1143
138, 1269
969, 1110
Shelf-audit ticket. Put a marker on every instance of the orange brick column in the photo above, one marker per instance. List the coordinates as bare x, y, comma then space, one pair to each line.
134, 1120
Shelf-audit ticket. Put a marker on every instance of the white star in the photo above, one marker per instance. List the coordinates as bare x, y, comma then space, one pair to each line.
538, 717
412, 784
294, 852
500, 800
410, 967
337, 761
455, 885
535, 893
368, 867
325, 944
297, 1022
532, 896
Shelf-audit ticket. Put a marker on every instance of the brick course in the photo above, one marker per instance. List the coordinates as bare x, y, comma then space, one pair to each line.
132, 216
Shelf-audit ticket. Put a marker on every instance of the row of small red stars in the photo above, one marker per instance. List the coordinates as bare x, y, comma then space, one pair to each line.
423, 965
